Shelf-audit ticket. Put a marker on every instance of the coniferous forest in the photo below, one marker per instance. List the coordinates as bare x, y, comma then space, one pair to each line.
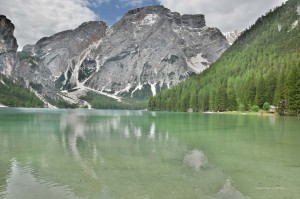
262, 67
14, 95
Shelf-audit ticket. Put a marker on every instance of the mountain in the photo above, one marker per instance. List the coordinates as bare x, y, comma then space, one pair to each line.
232, 36
148, 50
8, 46
152, 49
12, 93
263, 65
47, 67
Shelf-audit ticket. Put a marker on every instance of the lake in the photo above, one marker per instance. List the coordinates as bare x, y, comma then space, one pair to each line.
147, 155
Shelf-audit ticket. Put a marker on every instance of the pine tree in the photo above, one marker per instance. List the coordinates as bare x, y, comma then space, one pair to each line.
194, 101
221, 99
231, 97
260, 92
280, 88
293, 91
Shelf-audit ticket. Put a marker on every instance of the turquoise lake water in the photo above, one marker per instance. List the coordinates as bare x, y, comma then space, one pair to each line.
147, 155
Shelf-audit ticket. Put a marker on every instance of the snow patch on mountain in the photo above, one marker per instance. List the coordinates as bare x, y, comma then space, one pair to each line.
279, 27
232, 36
150, 19
198, 63
298, 9
2, 82
295, 24
106, 94
126, 89
82, 57
153, 89
139, 87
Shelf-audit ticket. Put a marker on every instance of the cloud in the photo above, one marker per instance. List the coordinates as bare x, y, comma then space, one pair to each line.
96, 3
35, 19
227, 15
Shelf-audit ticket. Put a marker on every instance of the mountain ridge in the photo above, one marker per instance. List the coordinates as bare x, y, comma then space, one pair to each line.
148, 50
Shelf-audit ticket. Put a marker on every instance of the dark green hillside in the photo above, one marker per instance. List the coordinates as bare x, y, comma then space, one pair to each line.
263, 65
103, 102
13, 95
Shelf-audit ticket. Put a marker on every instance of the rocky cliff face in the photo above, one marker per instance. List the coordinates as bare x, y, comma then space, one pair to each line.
151, 49
48, 65
146, 51
8, 46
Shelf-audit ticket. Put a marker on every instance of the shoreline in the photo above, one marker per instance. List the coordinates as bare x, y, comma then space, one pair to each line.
260, 113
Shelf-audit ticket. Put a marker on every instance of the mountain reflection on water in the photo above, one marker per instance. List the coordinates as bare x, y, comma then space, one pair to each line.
125, 154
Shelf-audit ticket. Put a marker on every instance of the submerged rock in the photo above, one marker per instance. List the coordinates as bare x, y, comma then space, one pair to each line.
228, 192
195, 159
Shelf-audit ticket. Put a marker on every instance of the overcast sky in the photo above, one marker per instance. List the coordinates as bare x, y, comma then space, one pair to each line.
35, 19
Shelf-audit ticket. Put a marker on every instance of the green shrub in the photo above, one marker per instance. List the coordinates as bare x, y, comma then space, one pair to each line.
254, 108
266, 106
241, 107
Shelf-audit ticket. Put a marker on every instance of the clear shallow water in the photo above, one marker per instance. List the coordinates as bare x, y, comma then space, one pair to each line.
137, 154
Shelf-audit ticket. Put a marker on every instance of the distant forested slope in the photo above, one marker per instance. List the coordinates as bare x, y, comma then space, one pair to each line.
14, 95
263, 65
